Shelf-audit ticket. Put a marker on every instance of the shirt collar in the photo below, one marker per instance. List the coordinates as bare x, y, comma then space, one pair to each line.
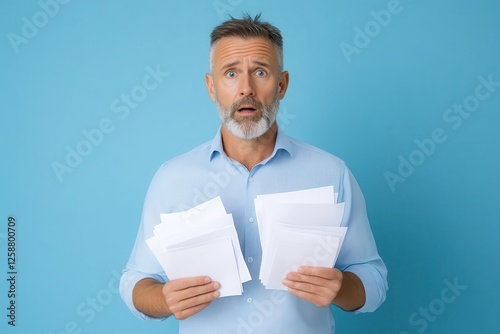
283, 142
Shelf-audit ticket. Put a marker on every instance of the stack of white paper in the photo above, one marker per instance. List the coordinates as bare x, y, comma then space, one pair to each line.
198, 242
298, 228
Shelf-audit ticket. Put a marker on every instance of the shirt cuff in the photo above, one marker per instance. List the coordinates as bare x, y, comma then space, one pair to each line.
374, 283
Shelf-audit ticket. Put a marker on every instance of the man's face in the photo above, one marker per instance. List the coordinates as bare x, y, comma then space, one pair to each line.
246, 85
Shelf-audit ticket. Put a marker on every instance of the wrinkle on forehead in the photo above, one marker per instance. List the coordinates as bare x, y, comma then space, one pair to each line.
230, 49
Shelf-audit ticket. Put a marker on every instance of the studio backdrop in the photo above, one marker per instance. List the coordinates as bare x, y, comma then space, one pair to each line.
96, 95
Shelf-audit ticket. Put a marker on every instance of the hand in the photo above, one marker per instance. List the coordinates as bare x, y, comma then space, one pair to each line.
317, 285
188, 296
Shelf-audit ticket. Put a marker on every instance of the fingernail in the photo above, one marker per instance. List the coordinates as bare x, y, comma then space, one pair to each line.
207, 280
216, 285
301, 270
216, 294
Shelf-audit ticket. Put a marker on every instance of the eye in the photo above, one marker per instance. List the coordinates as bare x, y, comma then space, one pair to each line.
261, 73
230, 74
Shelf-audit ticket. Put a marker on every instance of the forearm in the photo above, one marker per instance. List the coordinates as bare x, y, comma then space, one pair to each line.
148, 298
351, 295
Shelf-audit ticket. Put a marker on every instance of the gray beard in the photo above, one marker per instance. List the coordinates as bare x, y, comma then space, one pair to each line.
249, 127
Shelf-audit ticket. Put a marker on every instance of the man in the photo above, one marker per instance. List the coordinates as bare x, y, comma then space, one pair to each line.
254, 157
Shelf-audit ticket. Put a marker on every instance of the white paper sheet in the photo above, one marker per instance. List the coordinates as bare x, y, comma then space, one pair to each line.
298, 228
201, 241
292, 247
212, 257
225, 230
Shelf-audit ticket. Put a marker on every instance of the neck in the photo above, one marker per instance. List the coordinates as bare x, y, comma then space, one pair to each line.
249, 152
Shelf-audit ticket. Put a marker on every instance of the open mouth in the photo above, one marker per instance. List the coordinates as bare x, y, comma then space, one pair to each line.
247, 109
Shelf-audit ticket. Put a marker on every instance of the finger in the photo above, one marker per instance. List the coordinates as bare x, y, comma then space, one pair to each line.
323, 272
185, 283
316, 289
183, 314
177, 288
324, 289
319, 295
174, 297
194, 301
313, 298
197, 290
316, 280
296, 277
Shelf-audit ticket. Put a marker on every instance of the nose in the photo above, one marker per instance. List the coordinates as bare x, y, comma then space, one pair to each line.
246, 86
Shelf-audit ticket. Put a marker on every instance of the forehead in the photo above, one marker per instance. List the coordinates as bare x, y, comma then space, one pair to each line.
229, 49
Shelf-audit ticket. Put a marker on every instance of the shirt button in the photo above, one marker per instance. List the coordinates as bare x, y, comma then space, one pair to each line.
249, 300
250, 219
250, 259
251, 179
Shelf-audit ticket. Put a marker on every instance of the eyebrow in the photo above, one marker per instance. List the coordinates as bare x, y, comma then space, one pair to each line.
261, 63
231, 64
237, 62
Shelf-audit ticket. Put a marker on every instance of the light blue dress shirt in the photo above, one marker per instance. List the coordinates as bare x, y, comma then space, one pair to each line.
207, 172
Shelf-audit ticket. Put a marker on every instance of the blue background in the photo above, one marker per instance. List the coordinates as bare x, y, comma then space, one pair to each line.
75, 232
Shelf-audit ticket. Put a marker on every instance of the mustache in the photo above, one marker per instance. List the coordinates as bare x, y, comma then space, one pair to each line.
247, 100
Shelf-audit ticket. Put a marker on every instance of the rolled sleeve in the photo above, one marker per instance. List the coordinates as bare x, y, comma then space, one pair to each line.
142, 263
374, 284
359, 253
128, 281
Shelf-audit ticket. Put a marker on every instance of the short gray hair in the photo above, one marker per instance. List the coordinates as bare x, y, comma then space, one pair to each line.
247, 27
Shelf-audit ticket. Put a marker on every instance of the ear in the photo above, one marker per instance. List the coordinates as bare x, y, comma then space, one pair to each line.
209, 82
283, 84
